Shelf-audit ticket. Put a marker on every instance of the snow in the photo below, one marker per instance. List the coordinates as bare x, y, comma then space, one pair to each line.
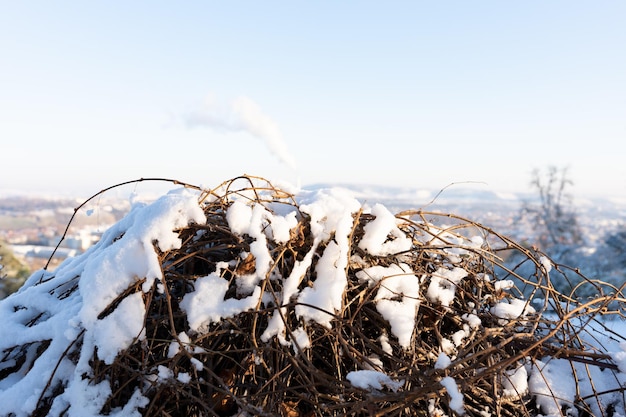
456, 398
447, 346
443, 284
164, 373
301, 340
546, 263
207, 303
620, 357
553, 385
373, 380
383, 237
124, 253
330, 214
515, 382
252, 221
385, 345
183, 377
472, 320
504, 285
511, 309
395, 280
443, 361
115, 332
126, 258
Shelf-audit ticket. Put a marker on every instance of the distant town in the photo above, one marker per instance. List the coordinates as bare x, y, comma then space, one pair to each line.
35, 228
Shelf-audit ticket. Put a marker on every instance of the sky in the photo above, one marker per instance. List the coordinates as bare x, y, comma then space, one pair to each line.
414, 94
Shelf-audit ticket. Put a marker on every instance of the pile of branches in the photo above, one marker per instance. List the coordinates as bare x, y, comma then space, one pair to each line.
231, 370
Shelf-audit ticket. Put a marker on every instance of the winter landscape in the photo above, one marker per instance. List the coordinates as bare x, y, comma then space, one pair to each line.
435, 224
460, 320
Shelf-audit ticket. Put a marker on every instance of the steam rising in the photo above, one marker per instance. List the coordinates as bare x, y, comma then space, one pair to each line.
242, 115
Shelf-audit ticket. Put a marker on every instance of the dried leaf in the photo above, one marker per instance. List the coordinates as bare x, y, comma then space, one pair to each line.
247, 266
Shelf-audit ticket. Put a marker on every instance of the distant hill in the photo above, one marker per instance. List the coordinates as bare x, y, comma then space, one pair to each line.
457, 194
453, 195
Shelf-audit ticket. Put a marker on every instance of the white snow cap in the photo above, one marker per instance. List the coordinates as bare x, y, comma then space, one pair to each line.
395, 281
382, 235
515, 382
511, 310
456, 397
125, 256
443, 282
373, 380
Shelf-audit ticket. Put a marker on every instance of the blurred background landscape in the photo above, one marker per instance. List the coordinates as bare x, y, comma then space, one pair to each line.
588, 234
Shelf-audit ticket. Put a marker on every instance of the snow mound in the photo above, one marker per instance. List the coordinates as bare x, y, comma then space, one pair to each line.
247, 300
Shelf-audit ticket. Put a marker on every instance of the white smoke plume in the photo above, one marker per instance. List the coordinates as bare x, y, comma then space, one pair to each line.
242, 115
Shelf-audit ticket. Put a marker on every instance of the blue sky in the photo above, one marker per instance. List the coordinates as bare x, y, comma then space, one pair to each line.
417, 94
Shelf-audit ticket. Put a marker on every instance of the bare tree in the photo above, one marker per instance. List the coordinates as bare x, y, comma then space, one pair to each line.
554, 217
